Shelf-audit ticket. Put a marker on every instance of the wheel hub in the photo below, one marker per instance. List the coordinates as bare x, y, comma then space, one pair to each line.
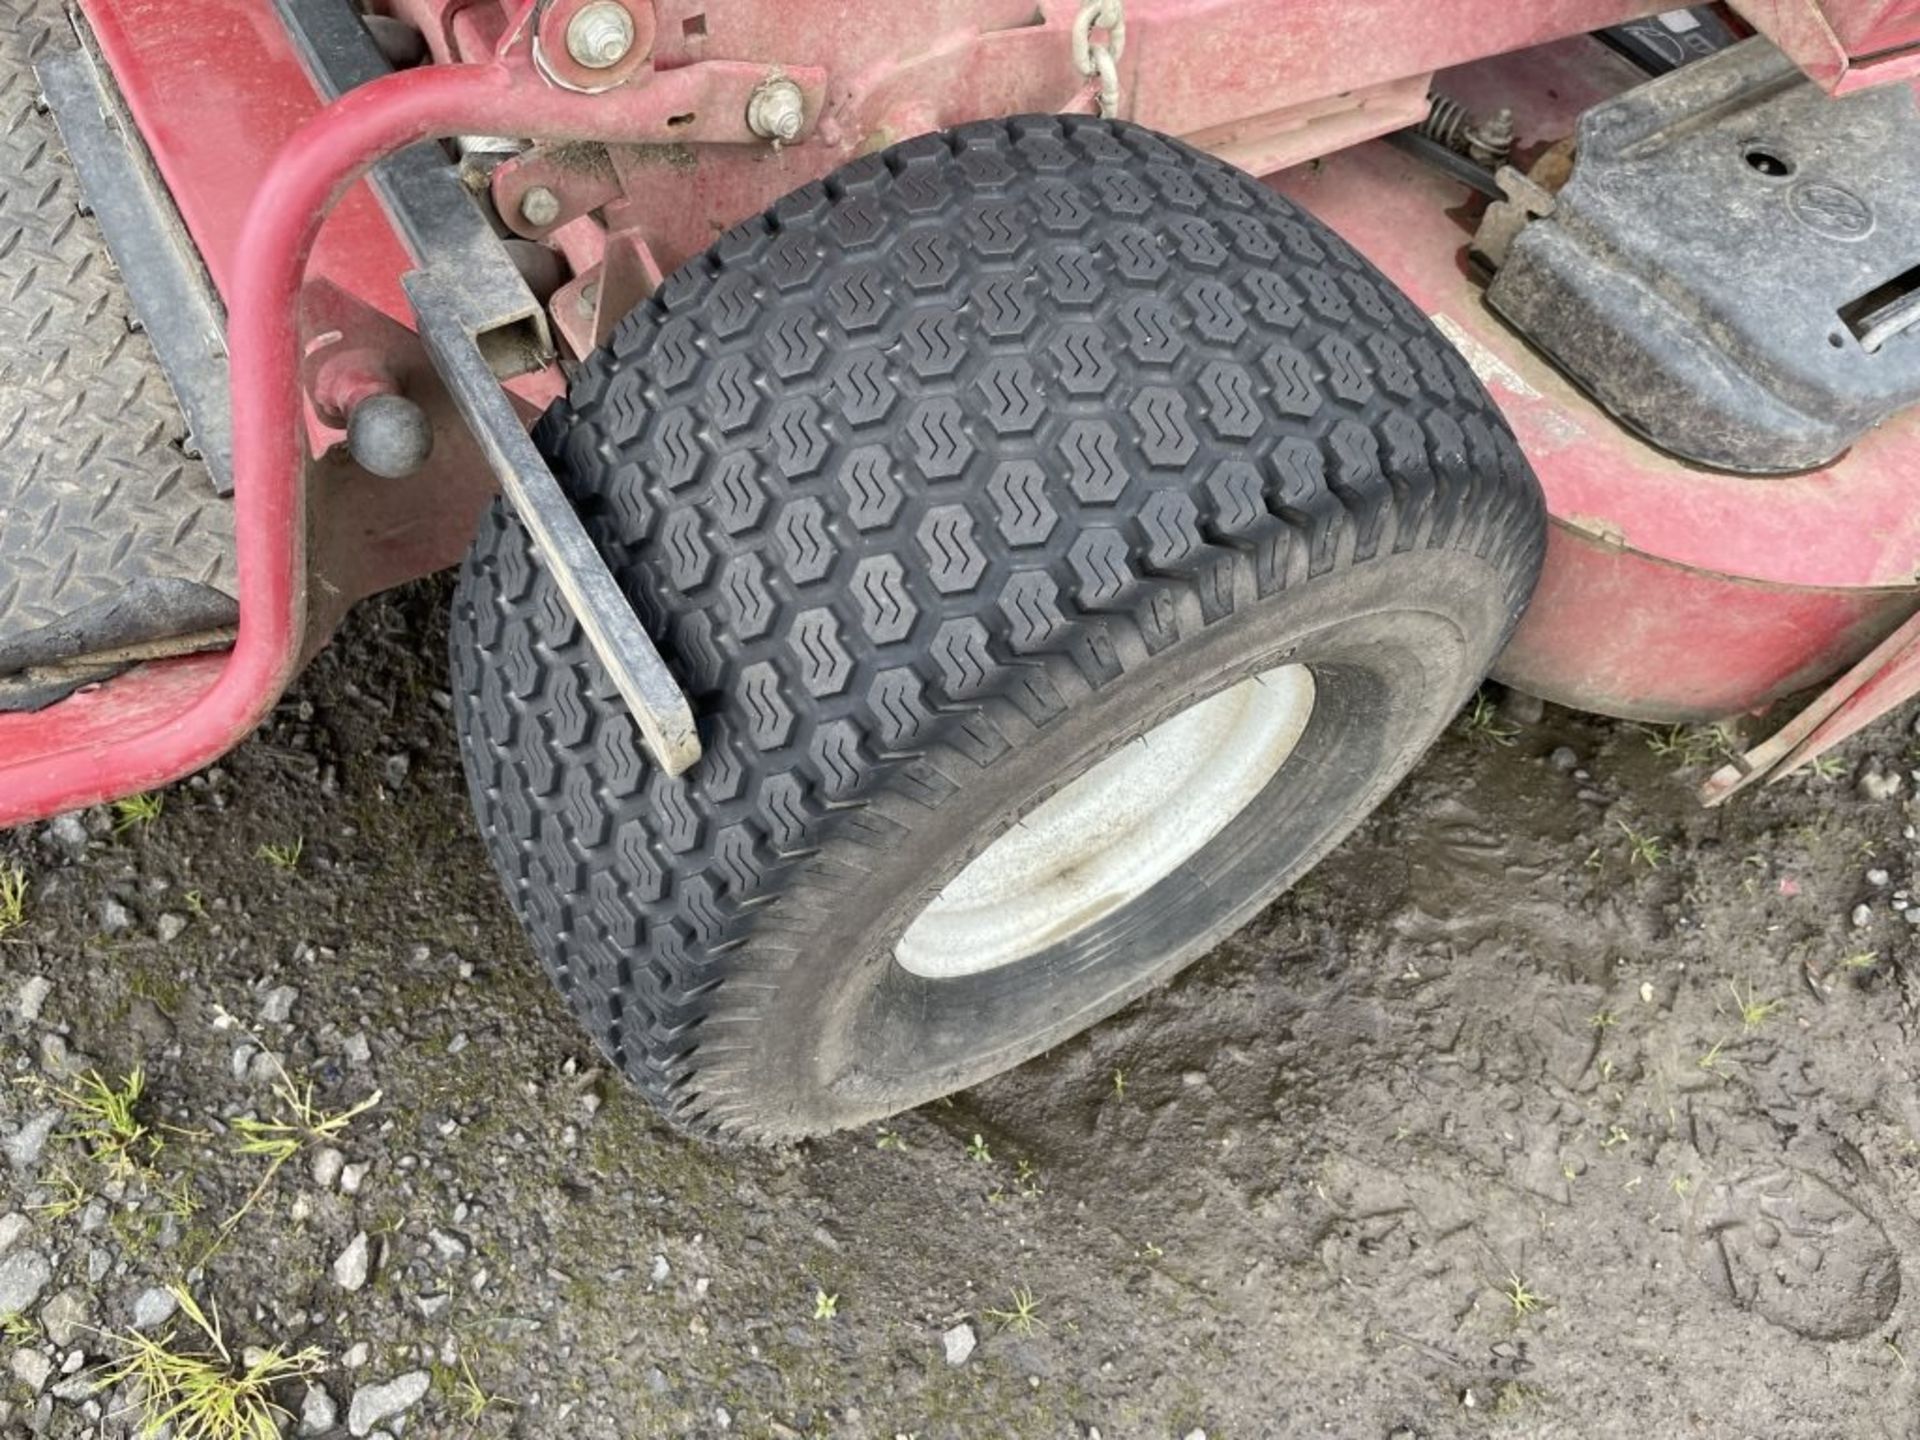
1113, 833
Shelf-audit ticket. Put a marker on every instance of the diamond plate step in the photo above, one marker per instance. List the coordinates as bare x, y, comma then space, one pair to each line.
110, 534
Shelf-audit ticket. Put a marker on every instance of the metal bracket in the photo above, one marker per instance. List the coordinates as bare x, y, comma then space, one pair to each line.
624, 649
1888, 676
421, 192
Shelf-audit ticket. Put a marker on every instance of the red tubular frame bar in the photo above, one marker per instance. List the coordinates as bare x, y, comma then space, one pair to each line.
318, 164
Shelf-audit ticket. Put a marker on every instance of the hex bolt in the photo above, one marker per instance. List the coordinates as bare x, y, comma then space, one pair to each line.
539, 207
776, 110
600, 34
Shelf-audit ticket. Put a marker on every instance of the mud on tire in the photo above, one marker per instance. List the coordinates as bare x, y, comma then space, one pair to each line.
939, 482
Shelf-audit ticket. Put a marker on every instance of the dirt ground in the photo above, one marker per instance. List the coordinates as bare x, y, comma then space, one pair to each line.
1552, 1105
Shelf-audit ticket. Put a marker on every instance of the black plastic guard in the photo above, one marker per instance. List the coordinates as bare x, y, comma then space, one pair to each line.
1734, 267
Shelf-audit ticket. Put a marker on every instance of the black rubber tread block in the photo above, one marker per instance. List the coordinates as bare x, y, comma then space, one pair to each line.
894, 470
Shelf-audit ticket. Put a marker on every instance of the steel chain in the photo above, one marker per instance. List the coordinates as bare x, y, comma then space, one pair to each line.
1097, 58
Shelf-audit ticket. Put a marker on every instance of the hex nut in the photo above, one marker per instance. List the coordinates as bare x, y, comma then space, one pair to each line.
600, 34
539, 207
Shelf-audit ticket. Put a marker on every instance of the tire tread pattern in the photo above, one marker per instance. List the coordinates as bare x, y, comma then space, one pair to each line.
895, 472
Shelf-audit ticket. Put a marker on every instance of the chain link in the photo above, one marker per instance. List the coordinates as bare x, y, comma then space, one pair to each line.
1101, 58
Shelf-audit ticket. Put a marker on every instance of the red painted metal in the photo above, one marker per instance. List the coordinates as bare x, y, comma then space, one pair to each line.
1887, 677
216, 91
1845, 45
45, 768
1815, 566
1220, 73
1625, 633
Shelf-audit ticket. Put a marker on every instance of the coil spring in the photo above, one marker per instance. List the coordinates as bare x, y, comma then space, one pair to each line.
1447, 121
1486, 142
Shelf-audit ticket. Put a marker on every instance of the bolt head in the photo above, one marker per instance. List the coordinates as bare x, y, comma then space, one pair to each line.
539, 207
600, 35
777, 110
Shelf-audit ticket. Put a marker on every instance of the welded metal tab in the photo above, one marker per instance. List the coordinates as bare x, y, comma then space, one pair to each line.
624, 649
165, 282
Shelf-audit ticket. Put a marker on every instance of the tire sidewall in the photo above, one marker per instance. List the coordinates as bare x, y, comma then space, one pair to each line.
1408, 620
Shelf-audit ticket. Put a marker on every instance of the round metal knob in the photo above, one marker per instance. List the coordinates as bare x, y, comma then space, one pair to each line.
389, 435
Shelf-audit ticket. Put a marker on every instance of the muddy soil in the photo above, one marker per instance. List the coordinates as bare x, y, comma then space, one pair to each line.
1552, 1105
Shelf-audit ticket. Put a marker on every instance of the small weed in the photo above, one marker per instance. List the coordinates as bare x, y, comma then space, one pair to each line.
977, 1150
1682, 1185
470, 1398
1616, 1135
107, 1124
889, 1140
18, 1327
1512, 1397
1521, 1296
1119, 1084
1711, 1060
1148, 1251
194, 905
1755, 1012
1865, 960
1022, 1317
1691, 744
278, 1141
206, 1394
1647, 850
1826, 767
1603, 1020
825, 1306
281, 1140
284, 857
1482, 722
13, 898
69, 1195
136, 810
1027, 1177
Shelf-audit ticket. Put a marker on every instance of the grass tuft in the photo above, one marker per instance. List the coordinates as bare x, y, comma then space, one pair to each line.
13, 898
469, 1397
1691, 744
1754, 1012
284, 857
136, 810
1647, 850
302, 1123
1482, 722
107, 1122
205, 1393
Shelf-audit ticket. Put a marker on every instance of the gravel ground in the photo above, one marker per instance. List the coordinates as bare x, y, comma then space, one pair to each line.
1551, 1105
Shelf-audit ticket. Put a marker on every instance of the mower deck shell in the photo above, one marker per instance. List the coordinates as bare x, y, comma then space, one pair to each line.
1797, 576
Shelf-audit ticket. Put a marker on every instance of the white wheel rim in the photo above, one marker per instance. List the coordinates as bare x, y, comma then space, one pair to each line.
1115, 832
